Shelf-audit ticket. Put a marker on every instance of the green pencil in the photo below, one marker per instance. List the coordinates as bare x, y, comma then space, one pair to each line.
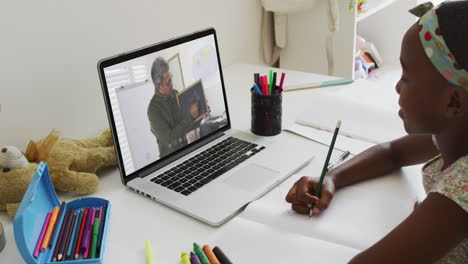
325, 165
95, 237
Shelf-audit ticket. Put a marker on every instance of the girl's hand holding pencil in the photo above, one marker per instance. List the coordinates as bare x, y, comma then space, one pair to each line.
309, 195
302, 195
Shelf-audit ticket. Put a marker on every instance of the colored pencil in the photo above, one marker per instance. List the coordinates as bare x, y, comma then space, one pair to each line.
67, 235
80, 236
88, 233
317, 85
72, 248
57, 219
50, 228
94, 237
60, 236
101, 229
42, 234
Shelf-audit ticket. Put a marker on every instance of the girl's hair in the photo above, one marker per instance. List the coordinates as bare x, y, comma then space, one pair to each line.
453, 23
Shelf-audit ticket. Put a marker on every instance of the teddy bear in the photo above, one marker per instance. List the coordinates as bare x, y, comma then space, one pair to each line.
72, 165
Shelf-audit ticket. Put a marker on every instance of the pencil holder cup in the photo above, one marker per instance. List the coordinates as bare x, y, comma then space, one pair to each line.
266, 113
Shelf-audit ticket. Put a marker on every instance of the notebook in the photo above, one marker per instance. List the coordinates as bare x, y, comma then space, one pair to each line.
169, 117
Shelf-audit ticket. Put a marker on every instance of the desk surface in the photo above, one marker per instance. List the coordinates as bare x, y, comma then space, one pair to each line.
266, 230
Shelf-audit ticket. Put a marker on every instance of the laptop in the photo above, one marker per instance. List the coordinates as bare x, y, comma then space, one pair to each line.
169, 118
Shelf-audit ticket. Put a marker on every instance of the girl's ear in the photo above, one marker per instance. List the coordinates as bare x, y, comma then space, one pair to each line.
458, 104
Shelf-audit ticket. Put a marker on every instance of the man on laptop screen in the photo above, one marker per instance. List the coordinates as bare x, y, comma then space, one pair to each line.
168, 123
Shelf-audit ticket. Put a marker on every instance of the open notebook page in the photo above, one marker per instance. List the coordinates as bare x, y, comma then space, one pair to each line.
245, 241
358, 216
359, 121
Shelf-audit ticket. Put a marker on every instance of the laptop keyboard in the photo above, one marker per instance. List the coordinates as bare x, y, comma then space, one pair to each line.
206, 166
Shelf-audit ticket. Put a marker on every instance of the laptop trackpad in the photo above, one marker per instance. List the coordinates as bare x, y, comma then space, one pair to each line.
251, 177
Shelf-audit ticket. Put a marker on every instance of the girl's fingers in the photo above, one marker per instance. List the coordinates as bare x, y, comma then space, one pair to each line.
291, 196
300, 208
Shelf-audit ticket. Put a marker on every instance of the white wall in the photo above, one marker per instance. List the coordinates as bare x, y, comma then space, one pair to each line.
49, 50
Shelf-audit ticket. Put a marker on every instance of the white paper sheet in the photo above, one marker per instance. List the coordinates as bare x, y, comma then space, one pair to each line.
360, 121
243, 241
342, 143
358, 216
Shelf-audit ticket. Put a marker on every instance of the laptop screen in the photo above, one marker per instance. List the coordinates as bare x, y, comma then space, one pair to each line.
163, 98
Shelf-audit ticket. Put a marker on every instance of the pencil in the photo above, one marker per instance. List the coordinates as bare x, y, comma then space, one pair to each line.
325, 165
88, 233
80, 236
101, 230
60, 237
50, 228
71, 250
94, 237
66, 242
58, 217
41, 235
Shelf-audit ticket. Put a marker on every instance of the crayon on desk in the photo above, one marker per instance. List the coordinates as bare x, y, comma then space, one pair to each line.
201, 255
57, 218
95, 237
194, 258
149, 252
211, 256
185, 258
42, 234
221, 256
50, 228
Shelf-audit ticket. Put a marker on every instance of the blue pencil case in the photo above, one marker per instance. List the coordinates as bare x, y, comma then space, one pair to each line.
40, 199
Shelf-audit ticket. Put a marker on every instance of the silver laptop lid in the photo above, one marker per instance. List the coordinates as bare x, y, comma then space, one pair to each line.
164, 101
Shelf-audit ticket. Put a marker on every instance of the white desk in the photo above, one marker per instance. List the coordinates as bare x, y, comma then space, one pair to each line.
359, 215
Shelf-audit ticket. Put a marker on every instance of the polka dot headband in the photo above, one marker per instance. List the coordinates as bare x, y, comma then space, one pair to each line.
435, 47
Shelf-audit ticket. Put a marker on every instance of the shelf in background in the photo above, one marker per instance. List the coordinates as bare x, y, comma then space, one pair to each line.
373, 6
380, 84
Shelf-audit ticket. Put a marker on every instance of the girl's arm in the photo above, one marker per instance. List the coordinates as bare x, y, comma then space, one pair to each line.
376, 161
384, 158
435, 227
